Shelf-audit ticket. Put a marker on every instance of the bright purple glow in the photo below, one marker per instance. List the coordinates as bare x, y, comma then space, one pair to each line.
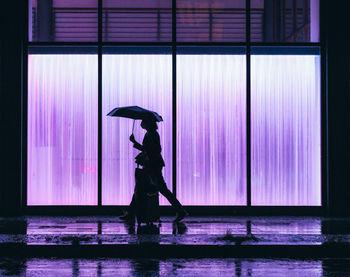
286, 130
62, 130
143, 80
211, 129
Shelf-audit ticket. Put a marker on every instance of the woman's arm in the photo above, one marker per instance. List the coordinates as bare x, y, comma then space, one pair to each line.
136, 144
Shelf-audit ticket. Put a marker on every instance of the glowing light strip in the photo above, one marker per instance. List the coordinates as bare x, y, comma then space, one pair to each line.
211, 129
143, 80
286, 130
211, 142
62, 130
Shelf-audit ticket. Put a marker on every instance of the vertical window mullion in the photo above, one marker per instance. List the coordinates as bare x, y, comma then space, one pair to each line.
324, 109
99, 103
174, 140
24, 103
248, 126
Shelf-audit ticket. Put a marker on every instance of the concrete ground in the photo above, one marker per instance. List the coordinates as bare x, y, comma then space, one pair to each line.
194, 237
197, 246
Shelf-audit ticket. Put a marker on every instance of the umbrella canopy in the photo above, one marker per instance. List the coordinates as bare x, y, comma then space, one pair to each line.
135, 112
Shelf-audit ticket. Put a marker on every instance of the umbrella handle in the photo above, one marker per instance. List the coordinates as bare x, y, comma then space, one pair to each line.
133, 126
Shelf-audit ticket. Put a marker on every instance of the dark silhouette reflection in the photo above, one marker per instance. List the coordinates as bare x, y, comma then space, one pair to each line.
130, 227
99, 227
335, 226
238, 267
13, 267
99, 269
149, 229
148, 234
179, 228
145, 267
18, 227
336, 267
99, 231
249, 227
75, 268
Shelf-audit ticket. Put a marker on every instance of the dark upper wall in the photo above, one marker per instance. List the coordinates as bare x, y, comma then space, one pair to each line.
12, 33
338, 107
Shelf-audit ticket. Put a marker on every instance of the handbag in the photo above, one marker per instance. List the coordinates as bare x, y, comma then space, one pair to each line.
142, 159
144, 183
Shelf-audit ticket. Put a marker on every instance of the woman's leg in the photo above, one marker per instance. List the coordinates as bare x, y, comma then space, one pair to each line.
132, 206
163, 189
131, 211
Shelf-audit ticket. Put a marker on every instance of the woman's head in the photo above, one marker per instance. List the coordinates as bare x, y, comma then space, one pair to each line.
149, 124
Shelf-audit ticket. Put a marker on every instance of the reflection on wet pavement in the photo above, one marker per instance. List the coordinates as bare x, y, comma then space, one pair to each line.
195, 225
193, 230
174, 267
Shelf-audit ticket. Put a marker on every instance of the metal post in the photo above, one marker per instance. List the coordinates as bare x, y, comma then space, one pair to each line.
174, 148
248, 126
99, 174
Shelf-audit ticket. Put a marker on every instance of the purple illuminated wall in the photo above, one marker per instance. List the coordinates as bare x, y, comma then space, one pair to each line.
211, 129
286, 130
62, 130
143, 80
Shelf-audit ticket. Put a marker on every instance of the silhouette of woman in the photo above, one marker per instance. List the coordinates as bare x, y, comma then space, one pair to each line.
151, 146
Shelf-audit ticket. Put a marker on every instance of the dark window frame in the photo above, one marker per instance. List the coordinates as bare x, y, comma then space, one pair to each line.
248, 44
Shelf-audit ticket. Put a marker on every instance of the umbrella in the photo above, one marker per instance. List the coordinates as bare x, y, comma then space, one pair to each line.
135, 112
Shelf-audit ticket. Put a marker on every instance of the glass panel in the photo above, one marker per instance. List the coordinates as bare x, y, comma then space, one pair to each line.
211, 20
62, 129
211, 129
285, 20
143, 80
286, 130
63, 20
137, 20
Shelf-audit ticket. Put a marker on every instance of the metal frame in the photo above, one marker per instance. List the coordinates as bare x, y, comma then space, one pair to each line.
324, 107
174, 104
99, 151
24, 112
248, 110
232, 210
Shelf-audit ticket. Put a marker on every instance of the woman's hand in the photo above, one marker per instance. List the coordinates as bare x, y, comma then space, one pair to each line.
132, 138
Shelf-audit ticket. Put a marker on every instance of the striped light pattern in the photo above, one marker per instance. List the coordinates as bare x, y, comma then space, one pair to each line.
62, 130
286, 130
211, 129
146, 81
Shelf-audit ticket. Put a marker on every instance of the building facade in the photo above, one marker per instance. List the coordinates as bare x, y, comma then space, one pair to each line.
244, 88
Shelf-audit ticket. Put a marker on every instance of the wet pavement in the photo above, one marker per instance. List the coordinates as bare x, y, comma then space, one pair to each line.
175, 267
192, 230
302, 237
